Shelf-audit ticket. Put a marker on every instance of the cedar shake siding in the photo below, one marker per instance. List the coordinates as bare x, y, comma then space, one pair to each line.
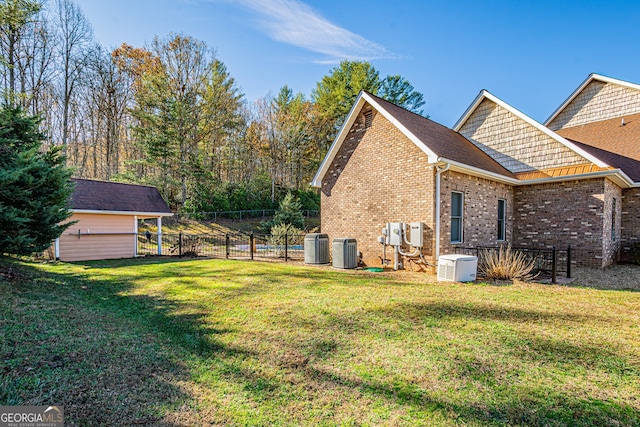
596, 102
377, 176
514, 143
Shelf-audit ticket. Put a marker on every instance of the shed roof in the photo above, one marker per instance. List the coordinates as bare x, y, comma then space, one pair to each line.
116, 197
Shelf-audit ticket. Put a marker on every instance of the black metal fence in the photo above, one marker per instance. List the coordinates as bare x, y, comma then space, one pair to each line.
229, 245
245, 214
545, 261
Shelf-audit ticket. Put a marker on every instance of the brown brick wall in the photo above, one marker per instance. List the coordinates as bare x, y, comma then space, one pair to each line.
377, 176
611, 241
380, 176
630, 221
562, 214
480, 210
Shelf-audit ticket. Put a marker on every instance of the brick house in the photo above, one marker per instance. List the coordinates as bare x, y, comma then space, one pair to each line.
496, 177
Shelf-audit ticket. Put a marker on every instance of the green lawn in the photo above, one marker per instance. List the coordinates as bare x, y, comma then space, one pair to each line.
216, 342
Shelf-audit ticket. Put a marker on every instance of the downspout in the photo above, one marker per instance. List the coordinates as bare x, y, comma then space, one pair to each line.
159, 235
439, 171
135, 236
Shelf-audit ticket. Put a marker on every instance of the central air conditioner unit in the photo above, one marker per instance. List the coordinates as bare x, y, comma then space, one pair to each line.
345, 253
457, 268
316, 248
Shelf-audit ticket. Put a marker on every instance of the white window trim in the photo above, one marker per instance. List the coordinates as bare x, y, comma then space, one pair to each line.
461, 219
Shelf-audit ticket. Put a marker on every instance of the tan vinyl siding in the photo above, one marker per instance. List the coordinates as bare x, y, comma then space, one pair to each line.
101, 237
514, 143
598, 101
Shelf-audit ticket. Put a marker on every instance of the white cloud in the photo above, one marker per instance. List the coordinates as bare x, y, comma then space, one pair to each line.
297, 24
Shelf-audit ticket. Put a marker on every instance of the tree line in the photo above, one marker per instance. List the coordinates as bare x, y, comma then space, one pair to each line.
170, 114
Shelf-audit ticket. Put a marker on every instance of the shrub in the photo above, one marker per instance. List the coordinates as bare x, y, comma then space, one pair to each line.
505, 264
288, 213
285, 234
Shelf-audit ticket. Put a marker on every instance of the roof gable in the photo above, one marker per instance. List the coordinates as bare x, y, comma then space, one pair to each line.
438, 142
515, 140
92, 195
597, 98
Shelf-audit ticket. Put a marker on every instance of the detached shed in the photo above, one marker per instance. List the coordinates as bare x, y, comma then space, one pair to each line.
107, 215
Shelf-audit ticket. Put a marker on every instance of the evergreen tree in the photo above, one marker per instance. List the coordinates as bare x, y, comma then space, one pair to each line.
289, 213
34, 186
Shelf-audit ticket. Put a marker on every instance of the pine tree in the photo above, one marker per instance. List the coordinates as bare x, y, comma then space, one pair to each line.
34, 186
289, 212
288, 215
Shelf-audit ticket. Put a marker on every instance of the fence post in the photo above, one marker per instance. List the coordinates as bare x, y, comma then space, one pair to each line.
568, 261
180, 245
227, 242
554, 265
251, 245
286, 247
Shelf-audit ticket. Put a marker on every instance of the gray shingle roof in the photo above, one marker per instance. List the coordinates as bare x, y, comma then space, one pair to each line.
115, 196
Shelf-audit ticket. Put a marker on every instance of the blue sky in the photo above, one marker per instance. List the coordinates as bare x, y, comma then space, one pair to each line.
531, 54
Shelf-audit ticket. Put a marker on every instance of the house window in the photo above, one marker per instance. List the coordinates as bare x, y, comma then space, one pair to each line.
502, 215
456, 217
613, 219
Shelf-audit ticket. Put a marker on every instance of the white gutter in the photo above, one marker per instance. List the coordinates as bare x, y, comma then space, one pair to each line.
482, 173
140, 214
439, 170
622, 179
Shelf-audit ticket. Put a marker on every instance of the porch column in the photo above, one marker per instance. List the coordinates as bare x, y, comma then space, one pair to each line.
159, 235
135, 236
57, 249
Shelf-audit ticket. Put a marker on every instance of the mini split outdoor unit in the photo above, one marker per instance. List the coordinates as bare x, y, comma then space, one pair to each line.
457, 268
